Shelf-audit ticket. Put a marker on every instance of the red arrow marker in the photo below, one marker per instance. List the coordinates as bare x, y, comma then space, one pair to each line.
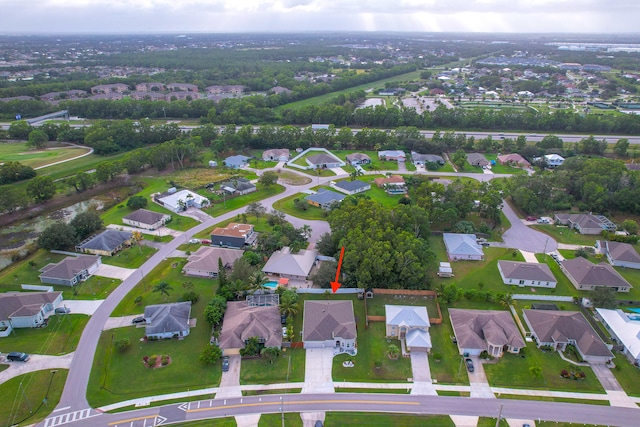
336, 284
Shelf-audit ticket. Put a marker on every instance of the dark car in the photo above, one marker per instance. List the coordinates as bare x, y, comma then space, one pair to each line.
532, 218
15, 356
469, 364
283, 319
225, 363
139, 319
62, 310
318, 423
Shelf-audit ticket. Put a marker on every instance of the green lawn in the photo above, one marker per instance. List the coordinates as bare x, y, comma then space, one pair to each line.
293, 178
375, 305
60, 336
291, 419
169, 270
20, 152
240, 201
491, 422
565, 235
261, 371
512, 370
287, 206
22, 273
627, 375
376, 163
18, 400
217, 422
132, 257
112, 371
262, 164
259, 225
314, 172
448, 370
503, 169
386, 420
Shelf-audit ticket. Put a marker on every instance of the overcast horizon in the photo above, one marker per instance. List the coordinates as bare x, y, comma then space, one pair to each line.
291, 16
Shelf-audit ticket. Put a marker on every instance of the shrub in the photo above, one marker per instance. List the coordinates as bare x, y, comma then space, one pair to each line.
165, 360
138, 300
122, 344
210, 354
378, 364
191, 296
151, 361
437, 356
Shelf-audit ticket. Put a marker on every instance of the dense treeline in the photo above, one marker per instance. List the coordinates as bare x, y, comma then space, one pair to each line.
15, 171
596, 185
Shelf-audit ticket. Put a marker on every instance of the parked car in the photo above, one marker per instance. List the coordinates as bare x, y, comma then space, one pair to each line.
194, 241
485, 243
283, 319
531, 218
225, 364
62, 310
205, 242
469, 364
284, 332
16, 356
318, 423
543, 221
139, 319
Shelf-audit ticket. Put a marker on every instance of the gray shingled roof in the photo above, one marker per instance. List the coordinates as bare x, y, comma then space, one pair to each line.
163, 318
562, 326
324, 196
69, 267
326, 320
622, 252
108, 240
526, 271
145, 216
403, 315
322, 158
462, 244
206, 258
474, 328
242, 322
587, 273
24, 303
352, 185
283, 262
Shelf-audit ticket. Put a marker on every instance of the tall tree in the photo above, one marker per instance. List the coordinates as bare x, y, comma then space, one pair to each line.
163, 288
41, 188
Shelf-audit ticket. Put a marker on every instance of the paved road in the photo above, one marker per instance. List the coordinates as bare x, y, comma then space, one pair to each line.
361, 402
519, 236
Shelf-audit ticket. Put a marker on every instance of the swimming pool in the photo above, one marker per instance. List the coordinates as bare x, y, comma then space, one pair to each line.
271, 285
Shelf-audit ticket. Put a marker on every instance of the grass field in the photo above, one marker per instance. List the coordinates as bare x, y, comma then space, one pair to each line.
19, 152
318, 100
60, 336
288, 368
503, 169
293, 178
25, 392
386, 420
240, 201
565, 235
287, 206
449, 369
376, 164
132, 257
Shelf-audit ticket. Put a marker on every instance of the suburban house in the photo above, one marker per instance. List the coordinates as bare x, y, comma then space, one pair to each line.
167, 320
586, 276
624, 329
276, 155
350, 187
357, 159
330, 324
392, 185
233, 235
493, 331
514, 159
552, 160
283, 263
557, 329
110, 88
180, 201
107, 243
324, 161
526, 274
204, 261
324, 198
150, 86
239, 186
619, 254
422, 159
71, 270
242, 321
585, 223
236, 162
461, 247
182, 87
477, 159
146, 219
410, 324
396, 155
26, 309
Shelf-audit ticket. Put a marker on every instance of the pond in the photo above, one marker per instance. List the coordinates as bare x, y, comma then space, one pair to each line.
15, 239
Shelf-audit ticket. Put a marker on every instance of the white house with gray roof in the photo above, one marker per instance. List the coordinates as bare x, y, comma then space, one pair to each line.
284, 263
107, 243
351, 187
146, 219
419, 159
330, 324
167, 320
619, 254
26, 309
71, 270
586, 276
526, 274
409, 324
324, 161
325, 199
462, 247
182, 200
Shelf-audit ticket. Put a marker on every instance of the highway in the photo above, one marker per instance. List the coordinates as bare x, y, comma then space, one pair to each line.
338, 402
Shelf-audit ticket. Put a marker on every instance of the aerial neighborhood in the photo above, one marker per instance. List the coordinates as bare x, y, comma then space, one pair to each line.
183, 243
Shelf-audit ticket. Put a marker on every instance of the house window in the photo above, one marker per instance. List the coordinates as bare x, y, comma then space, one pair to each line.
521, 282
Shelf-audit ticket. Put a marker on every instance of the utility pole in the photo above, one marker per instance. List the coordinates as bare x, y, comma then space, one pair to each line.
499, 417
282, 410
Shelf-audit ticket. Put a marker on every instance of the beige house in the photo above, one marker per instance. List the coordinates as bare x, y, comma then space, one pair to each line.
493, 331
148, 220
586, 276
204, 261
242, 322
409, 324
330, 324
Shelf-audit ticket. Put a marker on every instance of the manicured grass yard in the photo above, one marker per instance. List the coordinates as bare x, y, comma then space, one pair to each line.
60, 336
376, 163
132, 257
17, 400
448, 370
240, 201
293, 178
566, 235
500, 169
22, 273
287, 206
261, 371
19, 152
314, 172
627, 375
375, 305
386, 420
112, 373
291, 419
512, 370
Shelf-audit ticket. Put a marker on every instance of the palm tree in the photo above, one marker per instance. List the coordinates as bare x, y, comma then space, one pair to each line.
289, 306
306, 230
164, 288
271, 353
256, 281
356, 173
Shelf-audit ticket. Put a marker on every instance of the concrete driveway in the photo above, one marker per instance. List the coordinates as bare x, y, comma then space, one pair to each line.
478, 380
422, 383
113, 272
318, 371
519, 236
87, 307
230, 381
121, 322
36, 363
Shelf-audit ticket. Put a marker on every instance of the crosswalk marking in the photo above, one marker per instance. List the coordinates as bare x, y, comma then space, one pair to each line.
68, 418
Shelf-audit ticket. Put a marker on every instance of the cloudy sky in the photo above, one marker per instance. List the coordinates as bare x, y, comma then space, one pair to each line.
154, 16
